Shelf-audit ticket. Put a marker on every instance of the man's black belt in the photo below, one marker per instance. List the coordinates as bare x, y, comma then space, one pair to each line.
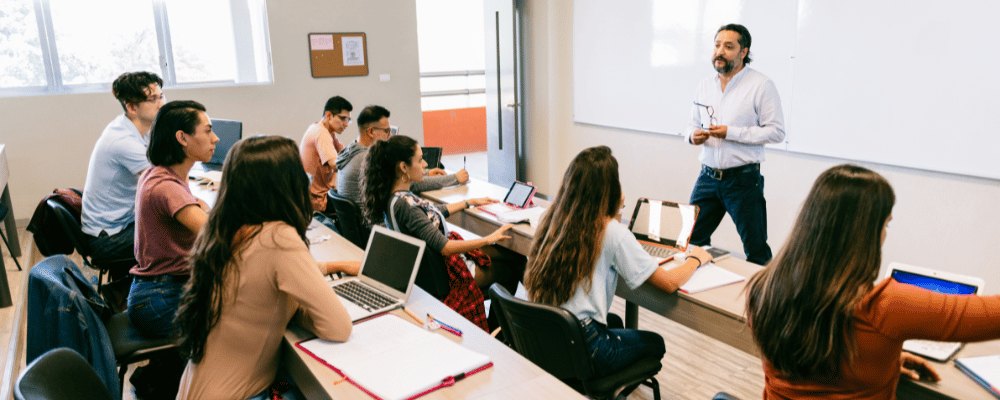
718, 174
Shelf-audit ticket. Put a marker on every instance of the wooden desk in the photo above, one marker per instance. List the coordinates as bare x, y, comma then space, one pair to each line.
512, 376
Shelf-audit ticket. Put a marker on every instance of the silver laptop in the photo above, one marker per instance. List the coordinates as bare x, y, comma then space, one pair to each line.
663, 228
941, 282
386, 276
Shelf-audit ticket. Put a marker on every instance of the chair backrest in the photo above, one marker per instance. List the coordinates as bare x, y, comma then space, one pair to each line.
350, 221
59, 374
71, 227
550, 337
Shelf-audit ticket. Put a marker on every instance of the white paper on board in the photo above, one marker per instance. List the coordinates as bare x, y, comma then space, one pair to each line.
354, 54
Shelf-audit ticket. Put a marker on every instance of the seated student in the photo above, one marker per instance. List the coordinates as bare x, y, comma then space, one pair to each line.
824, 328
320, 146
168, 217
108, 215
390, 169
373, 124
251, 273
579, 250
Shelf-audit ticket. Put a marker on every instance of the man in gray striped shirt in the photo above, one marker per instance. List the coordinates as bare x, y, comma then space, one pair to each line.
736, 112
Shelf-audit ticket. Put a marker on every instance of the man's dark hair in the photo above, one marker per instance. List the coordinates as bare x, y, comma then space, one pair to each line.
744, 38
130, 87
371, 114
336, 104
181, 115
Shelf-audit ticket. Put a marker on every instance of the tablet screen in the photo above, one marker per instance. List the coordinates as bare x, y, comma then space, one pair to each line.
932, 283
519, 194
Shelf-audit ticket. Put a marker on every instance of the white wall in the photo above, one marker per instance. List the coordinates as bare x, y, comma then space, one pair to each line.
940, 221
49, 138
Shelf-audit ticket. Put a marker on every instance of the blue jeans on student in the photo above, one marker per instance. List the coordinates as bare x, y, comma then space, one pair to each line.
614, 349
116, 251
153, 302
740, 193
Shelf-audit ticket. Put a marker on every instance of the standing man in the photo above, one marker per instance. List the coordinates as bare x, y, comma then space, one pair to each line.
736, 112
117, 160
319, 148
373, 124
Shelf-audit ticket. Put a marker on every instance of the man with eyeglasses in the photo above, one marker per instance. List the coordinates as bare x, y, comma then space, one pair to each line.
736, 112
373, 124
319, 147
108, 216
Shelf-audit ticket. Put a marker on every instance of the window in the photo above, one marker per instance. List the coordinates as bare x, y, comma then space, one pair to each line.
72, 46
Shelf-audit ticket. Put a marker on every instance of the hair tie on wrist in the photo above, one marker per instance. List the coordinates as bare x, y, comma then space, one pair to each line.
696, 258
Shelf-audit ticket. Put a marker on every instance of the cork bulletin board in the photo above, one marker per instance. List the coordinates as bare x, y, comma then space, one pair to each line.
338, 54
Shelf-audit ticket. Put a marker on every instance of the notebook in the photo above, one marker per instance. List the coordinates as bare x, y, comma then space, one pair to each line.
518, 197
985, 370
937, 281
663, 228
229, 132
386, 277
391, 358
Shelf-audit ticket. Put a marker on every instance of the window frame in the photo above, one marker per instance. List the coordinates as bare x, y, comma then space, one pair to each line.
246, 57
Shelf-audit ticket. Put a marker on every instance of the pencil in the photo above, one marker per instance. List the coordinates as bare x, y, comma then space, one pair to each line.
407, 310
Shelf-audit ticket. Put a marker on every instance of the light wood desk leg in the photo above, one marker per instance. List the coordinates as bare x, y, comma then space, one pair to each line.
631, 315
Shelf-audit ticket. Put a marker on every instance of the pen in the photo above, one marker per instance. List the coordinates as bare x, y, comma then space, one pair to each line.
407, 310
463, 162
449, 328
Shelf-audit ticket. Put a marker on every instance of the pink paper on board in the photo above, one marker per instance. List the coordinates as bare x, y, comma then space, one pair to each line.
321, 42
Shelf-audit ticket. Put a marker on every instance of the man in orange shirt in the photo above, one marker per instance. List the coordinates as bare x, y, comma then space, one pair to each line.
319, 148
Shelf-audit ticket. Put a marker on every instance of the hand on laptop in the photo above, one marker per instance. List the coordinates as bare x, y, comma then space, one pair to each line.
436, 172
702, 254
463, 176
332, 267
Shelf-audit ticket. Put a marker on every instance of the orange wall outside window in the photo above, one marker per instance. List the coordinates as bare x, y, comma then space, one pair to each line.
461, 130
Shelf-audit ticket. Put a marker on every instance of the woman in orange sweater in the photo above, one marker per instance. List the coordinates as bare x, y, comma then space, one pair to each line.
824, 329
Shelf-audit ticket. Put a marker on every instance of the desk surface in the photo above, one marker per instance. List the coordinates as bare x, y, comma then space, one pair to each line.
512, 376
718, 313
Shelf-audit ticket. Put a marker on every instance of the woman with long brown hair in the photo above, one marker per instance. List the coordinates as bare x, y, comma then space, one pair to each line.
825, 328
251, 272
581, 248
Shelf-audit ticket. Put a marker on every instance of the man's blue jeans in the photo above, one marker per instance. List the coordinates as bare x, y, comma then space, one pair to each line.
741, 194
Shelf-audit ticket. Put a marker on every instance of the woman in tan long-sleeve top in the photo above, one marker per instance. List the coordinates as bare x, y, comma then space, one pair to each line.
251, 274
825, 329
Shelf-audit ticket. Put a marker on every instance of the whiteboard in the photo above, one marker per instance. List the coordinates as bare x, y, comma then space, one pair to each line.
892, 82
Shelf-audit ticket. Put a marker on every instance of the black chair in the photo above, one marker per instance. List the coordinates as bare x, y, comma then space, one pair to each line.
3, 216
60, 374
552, 338
131, 347
76, 236
350, 221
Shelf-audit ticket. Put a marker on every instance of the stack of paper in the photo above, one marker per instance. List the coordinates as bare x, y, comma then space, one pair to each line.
394, 359
531, 214
984, 370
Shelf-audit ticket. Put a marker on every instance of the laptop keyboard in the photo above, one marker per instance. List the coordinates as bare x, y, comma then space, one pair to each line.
363, 296
657, 251
933, 349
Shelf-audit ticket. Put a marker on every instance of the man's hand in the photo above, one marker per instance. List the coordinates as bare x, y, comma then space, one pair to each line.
699, 137
436, 172
917, 368
718, 131
463, 176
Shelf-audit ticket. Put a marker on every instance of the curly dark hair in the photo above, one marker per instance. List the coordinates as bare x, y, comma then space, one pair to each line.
262, 181
379, 174
130, 87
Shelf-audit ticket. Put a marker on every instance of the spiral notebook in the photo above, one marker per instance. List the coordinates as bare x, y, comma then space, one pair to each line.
390, 358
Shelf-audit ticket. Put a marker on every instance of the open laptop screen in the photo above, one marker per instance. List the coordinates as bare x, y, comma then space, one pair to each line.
229, 132
676, 222
933, 284
390, 261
